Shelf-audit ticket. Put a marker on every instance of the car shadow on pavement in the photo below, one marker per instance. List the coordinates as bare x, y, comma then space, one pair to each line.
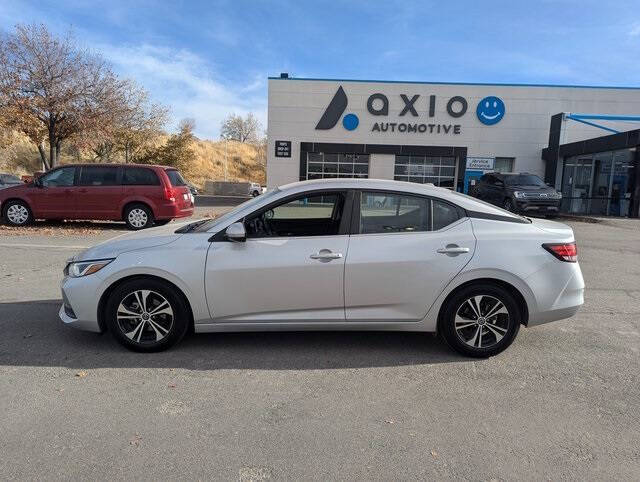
34, 336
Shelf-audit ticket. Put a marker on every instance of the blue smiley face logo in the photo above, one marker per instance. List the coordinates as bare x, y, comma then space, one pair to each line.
490, 110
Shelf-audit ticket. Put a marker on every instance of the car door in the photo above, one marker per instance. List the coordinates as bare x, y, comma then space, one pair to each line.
99, 192
52, 196
291, 266
405, 251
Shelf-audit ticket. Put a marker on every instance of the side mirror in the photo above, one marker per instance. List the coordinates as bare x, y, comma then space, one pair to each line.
236, 232
37, 182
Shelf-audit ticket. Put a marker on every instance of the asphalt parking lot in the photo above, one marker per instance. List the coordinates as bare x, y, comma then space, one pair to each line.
561, 403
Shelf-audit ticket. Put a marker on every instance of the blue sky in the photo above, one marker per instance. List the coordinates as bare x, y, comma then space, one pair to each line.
205, 59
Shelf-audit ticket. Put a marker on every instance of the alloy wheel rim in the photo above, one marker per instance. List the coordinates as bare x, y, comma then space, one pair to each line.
17, 214
482, 321
145, 316
137, 217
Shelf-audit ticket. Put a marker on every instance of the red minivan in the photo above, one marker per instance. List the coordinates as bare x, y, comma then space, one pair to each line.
141, 195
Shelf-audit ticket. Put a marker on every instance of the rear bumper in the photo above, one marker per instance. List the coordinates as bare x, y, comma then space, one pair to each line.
173, 211
552, 304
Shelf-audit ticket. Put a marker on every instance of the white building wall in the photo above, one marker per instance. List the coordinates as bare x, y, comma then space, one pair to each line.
295, 106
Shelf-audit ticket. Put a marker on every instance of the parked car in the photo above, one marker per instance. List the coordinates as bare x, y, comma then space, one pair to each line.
193, 189
325, 255
9, 180
139, 195
255, 189
518, 192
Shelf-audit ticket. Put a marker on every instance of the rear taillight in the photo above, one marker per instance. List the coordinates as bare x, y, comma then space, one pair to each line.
168, 194
563, 251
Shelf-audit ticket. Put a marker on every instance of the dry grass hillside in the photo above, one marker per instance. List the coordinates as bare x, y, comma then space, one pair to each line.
245, 162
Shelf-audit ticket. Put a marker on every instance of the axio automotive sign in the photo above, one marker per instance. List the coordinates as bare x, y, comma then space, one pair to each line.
489, 111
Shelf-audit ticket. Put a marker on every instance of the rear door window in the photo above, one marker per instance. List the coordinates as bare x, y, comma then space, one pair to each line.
139, 176
175, 177
393, 213
444, 214
98, 176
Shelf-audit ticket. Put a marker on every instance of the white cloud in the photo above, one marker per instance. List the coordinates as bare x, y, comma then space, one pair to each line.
187, 84
635, 30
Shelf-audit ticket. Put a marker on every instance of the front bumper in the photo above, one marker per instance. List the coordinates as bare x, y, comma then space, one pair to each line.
538, 206
80, 305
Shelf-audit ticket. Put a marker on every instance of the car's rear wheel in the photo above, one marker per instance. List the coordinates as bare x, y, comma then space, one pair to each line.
17, 213
480, 320
255, 193
138, 216
146, 315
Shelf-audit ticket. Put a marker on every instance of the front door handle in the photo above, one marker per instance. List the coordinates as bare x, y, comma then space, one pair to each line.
326, 255
453, 249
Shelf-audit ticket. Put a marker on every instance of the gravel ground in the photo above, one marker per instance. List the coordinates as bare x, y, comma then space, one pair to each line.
561, 403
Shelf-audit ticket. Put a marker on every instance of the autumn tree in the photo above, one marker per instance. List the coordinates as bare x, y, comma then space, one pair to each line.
130, 134
236, 128
52, 90
177, 151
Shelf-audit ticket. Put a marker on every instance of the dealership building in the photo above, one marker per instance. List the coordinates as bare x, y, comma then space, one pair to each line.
581, 139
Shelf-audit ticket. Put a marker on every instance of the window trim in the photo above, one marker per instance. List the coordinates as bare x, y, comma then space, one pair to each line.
355, 216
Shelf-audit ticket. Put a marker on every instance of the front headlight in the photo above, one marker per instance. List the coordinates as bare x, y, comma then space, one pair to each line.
519, 194
84, 268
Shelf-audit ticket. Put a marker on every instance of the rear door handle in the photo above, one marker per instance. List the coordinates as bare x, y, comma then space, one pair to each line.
326, 255
453, 249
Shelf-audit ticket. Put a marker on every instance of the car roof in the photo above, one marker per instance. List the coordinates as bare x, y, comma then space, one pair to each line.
116, 164
466, 202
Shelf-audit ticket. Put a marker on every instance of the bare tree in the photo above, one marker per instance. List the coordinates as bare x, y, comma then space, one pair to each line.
52, 90
234, 127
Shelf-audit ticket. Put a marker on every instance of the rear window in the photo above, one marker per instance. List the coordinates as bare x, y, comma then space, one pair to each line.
175, 178
139, 176
98, 176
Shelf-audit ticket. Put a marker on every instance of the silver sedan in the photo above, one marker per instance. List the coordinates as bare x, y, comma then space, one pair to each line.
338, 254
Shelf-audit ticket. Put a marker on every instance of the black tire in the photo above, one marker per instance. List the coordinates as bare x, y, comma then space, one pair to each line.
161, 222
508, 205
499, 337
138, 216
17, 213
255, 193
145, 338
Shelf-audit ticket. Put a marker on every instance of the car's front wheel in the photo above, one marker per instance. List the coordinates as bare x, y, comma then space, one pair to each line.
17, 213
508, 205
147, 315
480, 320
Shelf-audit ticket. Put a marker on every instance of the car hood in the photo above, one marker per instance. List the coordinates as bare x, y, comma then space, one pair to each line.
146, 238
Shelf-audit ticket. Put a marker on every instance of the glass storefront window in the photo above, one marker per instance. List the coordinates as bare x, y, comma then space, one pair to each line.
440, 171
326, 166
599, 184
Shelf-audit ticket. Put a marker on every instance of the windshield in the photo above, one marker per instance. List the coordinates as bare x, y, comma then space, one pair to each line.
524, 180
211, 223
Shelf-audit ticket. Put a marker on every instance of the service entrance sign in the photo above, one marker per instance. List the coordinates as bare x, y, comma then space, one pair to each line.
481, 163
